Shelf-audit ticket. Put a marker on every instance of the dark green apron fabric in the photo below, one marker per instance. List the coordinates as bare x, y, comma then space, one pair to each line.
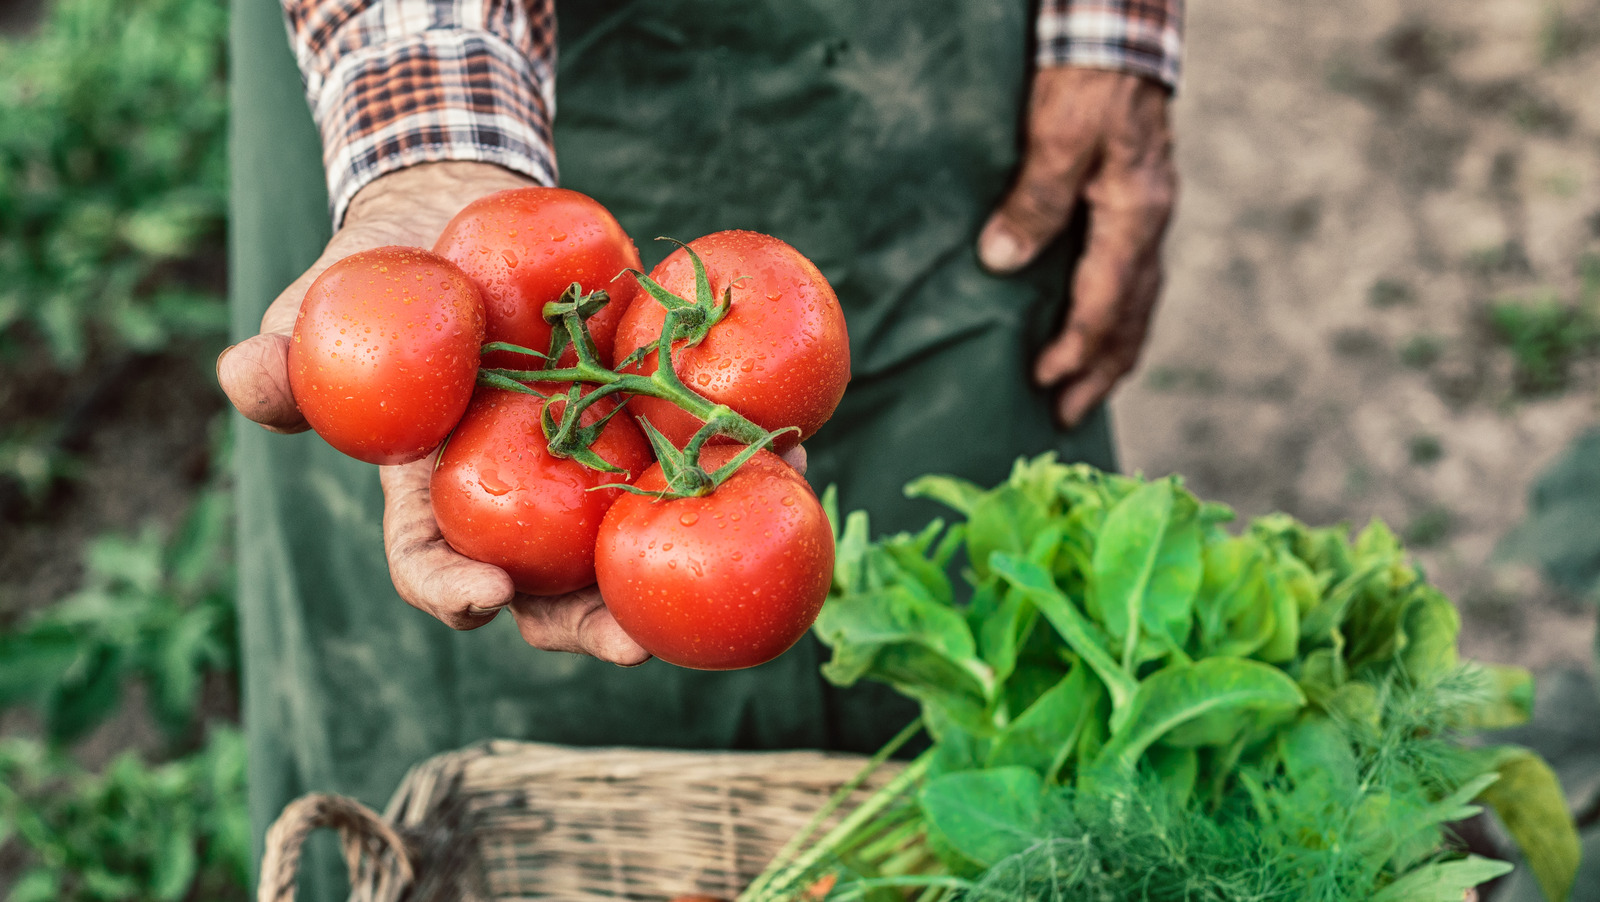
874, 137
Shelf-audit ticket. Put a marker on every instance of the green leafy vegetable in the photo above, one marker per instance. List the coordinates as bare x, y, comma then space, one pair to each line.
1129, 702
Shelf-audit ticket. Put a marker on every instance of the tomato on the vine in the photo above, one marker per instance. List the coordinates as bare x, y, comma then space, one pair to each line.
723, 581
780, 357
501, 497
384, 354
523, 247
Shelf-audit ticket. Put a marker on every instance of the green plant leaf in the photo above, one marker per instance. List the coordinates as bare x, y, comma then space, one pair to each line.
1032, 579
1176, 769
1442, 881
1004, 520
1283, 641
1003, 627
85, 699
1044, 736
1432, 625
1528, 800
986, 815
1147, 568
957, 494
1228, 688
1230, 607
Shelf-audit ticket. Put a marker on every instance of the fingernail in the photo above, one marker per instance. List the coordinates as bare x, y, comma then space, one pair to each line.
222, 355
999, 250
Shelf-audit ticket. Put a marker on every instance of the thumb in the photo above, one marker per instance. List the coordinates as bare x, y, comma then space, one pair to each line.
254, 374
1037, 207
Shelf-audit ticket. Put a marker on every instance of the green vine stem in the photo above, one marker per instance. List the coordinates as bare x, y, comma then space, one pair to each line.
685, 320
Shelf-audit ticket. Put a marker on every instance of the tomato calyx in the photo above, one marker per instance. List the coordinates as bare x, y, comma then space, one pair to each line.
695, 318
684, 475
685, 320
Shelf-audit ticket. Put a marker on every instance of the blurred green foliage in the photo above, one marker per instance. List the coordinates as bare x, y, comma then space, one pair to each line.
132, 833
1547, 334
159, 614
113, 200
156, 612
113, 175
1544, 336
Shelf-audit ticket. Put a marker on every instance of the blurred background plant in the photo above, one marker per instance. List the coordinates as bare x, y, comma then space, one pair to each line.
122, 773
113, 175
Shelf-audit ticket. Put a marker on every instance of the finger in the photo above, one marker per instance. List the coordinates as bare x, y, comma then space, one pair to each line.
429, 574
796, 458
578, 622
1117, 353
1129, 211
254, 374
1078, 398
1061, 146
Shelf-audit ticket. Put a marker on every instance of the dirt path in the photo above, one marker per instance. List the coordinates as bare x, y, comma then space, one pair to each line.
1360, 181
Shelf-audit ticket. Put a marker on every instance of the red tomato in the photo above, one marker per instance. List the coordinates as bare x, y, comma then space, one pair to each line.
727, 580
781, 357
501, 497
385, 353
523, 247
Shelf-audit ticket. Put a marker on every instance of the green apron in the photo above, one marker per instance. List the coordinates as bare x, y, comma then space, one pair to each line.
874, 137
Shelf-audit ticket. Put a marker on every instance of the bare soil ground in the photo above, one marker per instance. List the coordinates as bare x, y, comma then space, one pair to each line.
1360, 180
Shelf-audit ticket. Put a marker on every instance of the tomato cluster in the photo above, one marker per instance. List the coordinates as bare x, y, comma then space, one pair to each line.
655, 483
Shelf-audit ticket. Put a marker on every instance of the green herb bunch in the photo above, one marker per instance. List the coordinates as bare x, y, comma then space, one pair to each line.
1129, 701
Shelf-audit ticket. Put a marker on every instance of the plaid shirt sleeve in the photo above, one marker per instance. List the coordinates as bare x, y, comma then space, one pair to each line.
1140, 36
394, 83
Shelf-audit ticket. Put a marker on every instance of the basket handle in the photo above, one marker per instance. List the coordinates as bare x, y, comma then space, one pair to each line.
375, 854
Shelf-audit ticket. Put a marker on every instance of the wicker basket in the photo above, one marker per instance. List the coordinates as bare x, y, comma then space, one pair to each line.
513, 820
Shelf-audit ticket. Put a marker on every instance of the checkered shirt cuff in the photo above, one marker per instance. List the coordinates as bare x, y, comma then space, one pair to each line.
1144, 37
394, 83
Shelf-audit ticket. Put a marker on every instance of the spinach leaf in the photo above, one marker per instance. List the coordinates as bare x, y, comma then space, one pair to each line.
1147, 568
1227, 687
1079, 634
1044, 736
957, 494
1431, 627
1005, 520
986, 815
1235, 616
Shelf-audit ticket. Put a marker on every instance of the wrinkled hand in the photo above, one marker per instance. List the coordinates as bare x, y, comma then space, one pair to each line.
411, 207
1102, 136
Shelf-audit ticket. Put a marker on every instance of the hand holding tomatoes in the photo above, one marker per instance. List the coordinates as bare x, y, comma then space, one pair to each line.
411, 207
748, 351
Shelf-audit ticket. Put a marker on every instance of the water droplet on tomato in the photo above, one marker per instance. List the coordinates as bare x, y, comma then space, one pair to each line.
747, 366
689, 518
788, 501
510, 258
666, 546
491, 483
557, 235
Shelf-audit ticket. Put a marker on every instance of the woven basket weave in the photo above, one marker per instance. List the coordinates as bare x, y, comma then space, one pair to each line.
521, 821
